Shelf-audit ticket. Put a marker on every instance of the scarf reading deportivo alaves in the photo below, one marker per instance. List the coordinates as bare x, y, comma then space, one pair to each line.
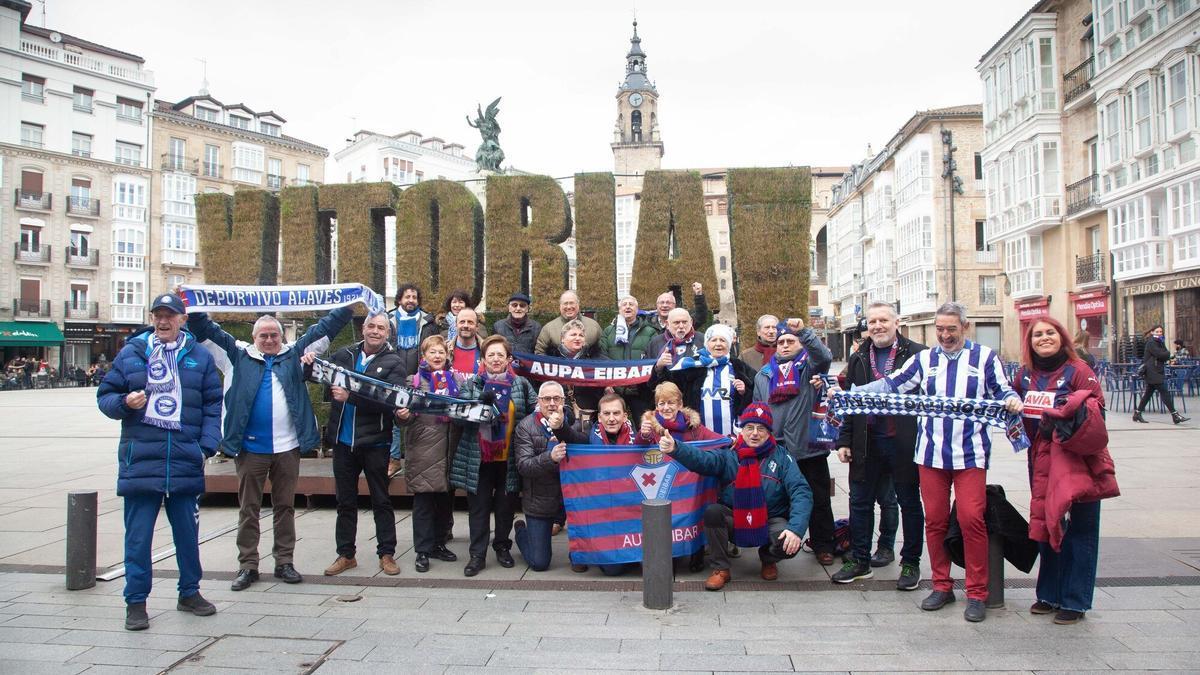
164, 396
259, 299
988, 412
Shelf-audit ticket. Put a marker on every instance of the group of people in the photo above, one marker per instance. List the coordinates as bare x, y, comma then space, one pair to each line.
774, 478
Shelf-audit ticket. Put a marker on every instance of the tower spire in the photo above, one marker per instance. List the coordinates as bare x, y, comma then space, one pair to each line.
635, 64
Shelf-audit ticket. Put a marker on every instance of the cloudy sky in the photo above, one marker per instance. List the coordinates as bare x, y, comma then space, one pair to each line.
741, 83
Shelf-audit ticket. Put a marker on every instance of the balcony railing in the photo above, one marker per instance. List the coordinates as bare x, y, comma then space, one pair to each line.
83, 258
180, 163
987, 296
212, 170
81, 310
1089, 269
87, 63
1083, 194
38, 201
274, 182
40, 254
38, 309
83, 206
1078, 80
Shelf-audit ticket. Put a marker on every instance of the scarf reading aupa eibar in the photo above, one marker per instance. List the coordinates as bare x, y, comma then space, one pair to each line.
989, 412
261, 299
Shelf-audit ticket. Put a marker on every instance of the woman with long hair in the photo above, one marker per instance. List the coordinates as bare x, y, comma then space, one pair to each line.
448, 319
1070, 469
1154, 365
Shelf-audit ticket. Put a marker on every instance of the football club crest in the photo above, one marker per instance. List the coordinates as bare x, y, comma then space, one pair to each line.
654, 475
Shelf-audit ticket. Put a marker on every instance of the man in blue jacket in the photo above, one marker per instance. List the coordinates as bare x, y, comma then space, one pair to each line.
167, 394
765, 500
269, 421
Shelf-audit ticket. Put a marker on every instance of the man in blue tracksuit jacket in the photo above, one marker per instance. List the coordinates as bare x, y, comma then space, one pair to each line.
166, 392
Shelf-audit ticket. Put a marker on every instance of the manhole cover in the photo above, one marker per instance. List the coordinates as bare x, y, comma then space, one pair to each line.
276, 654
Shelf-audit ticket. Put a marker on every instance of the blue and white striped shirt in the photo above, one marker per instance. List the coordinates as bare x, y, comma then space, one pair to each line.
974, 372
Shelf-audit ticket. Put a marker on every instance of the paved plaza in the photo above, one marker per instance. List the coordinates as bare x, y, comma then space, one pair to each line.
1146, 615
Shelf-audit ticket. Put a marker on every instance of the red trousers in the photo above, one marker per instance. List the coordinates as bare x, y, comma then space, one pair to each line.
970, 494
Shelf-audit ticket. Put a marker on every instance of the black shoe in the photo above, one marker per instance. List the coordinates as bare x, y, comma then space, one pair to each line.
975, 611
136, 617
578, 569
883, 557
443, 553
1066, 617
910, 577
243, 580
851, 572
288, 574
1040, 607
1177, 419
422, 563
1137, 417
505, 557
196, 604
474, 566
937, 600
696, 563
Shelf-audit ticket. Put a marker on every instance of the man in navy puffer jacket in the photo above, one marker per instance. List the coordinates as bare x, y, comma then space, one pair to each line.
167, 394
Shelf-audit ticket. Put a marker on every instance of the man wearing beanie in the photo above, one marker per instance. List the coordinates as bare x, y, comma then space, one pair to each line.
784, 384
764, 499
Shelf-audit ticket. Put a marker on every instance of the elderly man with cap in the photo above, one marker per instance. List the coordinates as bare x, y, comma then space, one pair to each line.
712, 382
666, 302
764, 499
520, 330
784, 383
270, 421
626, 339
550, 339
757, 355
679, 340
167, 395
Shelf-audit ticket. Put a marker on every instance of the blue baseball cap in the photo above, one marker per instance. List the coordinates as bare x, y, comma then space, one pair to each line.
169, 301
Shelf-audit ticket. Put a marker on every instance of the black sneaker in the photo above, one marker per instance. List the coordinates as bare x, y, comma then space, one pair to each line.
243, 580
975, 611
422, 563
883, 557
504, 557
288, 574
1040, 607
196, 604
910, 577
443, 553
851, 572
937, 600
136, 617
1066, 617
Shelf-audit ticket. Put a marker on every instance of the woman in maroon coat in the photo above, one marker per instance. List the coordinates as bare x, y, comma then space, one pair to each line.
1070, 469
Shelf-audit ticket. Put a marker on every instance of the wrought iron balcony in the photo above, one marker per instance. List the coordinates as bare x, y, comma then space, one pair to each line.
213, 170
274, 182
37, 309
1082, 195
987, 296
25, 254
1078, 80
37, 201
81, 310
83, 206
180, 163
83, 258
1089, 269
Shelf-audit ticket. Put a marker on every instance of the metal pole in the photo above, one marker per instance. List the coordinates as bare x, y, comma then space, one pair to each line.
657, 574
81, 540
995, 571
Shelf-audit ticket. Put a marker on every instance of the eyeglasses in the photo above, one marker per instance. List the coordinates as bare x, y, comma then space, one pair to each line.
551, 399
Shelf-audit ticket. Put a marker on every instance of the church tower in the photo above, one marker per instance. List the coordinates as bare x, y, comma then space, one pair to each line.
637, 146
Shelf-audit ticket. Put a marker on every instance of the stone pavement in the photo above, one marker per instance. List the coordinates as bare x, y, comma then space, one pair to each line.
1147, 613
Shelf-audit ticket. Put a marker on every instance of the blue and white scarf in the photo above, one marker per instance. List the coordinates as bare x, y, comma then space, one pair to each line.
164, 395
621, 336
408, 327
989, 412
261, 299
716, 394
451, 328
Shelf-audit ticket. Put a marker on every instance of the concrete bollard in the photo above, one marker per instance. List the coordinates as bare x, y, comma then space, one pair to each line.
657, 572
995, 572
81, 540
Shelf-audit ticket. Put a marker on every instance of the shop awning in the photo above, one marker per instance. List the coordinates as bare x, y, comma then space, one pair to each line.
29, 334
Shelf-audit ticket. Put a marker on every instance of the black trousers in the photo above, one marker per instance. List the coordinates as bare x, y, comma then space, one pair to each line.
430, 514
820, 524
348, 463
490, 500
1163, 393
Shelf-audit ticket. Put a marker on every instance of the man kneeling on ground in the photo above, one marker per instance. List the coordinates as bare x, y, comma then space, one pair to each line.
764, 498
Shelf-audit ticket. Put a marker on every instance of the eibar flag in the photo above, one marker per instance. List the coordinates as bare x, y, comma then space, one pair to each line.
583, 372
603, 488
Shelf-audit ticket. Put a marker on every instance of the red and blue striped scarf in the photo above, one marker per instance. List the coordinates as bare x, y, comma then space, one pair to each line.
495, 438
749, 499
625, 435
785, 381
436, 381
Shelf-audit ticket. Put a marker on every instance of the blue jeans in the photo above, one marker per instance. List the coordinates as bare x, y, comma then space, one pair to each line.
1067, 578
889, 512
533, 541
396, 451
863, 495
141, 512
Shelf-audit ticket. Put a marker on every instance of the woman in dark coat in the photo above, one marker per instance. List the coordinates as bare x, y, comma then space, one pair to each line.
1068, 477
1154, 363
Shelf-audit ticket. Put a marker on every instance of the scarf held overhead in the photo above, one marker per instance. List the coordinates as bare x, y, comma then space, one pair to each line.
260, 299
583, 372
989, 412
324, 372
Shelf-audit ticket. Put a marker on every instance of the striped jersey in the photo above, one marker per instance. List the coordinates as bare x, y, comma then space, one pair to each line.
974, 372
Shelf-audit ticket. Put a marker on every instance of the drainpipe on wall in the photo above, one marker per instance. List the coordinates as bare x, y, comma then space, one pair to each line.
1114, 327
